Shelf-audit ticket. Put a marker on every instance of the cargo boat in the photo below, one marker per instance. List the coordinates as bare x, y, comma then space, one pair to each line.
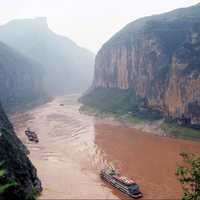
32, 136
128, 186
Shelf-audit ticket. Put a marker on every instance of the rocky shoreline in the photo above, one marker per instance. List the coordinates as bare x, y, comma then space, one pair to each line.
147, 126
155, 127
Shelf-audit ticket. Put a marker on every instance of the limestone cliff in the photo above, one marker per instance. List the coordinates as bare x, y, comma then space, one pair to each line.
159, 58
16, 163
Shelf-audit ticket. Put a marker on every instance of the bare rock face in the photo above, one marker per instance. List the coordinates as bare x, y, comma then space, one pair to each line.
182, 96
159, 58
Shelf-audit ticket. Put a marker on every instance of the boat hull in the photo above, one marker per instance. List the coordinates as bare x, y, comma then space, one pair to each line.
119, 186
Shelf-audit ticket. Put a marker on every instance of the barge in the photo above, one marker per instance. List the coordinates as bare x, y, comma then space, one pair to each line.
128, 186
32, 136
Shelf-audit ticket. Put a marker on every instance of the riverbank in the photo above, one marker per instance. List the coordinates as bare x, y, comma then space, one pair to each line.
150, 125
75, 147
27, 106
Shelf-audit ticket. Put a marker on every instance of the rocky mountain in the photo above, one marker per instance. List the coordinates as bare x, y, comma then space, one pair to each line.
67, 67
21, 79
18, 167
158, 58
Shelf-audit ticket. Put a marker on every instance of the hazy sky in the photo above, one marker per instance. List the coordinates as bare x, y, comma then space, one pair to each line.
89, 23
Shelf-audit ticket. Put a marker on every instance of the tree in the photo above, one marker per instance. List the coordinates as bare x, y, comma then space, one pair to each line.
4, 185
189, 176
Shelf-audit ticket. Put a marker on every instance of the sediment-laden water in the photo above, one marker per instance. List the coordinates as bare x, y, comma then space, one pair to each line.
74, 147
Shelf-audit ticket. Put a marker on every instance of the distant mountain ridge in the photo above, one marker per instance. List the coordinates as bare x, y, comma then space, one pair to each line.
21, 79
67, 67
158, 58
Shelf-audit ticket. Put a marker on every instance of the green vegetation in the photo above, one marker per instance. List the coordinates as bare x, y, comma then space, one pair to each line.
4, 182
124, 104
112, 100
33, 195
189, 176
180, 131
4, 187
134, 119
118, 102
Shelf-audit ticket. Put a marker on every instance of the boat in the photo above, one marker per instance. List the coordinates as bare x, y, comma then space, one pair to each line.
32, 136
128, 186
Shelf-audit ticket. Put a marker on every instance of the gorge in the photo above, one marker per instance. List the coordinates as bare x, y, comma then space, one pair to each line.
32, 72
146, 76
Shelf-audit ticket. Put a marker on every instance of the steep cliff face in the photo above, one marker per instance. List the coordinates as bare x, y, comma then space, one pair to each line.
182, 96
67, 67
158, 57
18, 166
21, 79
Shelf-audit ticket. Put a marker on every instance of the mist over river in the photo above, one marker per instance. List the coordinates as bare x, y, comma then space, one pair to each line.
74, 147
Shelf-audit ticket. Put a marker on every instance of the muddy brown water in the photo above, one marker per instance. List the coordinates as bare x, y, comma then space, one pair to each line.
74, 147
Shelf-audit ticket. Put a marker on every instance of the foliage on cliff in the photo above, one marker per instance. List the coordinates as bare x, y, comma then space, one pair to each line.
119, 102
189, 176
5, 184
112, 100
19, 169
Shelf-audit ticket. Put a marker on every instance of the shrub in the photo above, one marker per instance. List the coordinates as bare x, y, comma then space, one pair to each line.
189, 176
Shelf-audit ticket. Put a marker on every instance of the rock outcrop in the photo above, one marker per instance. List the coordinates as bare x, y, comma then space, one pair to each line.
159, 58
21, 79
16, 163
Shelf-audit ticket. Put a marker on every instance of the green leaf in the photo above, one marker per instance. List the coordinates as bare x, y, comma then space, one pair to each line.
3, 188
2, 172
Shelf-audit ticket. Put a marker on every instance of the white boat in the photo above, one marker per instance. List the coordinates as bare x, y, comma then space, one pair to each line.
128, 186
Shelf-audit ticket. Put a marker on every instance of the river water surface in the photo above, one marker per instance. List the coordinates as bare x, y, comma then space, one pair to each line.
74, 147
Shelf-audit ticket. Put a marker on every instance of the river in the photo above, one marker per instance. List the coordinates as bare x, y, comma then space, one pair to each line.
74, 147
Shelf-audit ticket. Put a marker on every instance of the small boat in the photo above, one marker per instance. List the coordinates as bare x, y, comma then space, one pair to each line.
32, 136
128, 186
61, 104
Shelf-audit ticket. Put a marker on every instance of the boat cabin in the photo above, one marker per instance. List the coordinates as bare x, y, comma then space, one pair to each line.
124, 180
